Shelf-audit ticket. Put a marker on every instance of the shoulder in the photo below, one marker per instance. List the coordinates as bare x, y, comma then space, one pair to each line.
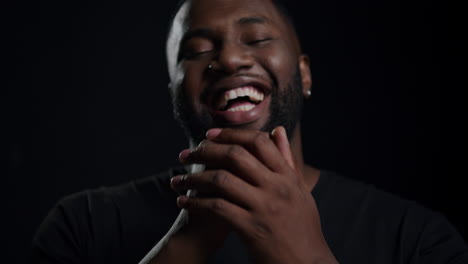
337, 189
82, 225
145, 191
104, 200
391, 226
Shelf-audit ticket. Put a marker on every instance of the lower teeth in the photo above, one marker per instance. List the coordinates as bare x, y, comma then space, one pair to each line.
242, 108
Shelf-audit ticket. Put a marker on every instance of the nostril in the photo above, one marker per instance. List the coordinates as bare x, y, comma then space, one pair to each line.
232, 59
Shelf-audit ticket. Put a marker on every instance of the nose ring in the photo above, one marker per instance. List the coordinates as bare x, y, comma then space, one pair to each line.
210, 66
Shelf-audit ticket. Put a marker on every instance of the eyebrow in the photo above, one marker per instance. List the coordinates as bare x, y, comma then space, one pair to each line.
208, 33
199, 32
252, 20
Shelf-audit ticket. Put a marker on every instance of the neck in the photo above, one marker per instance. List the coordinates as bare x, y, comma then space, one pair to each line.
296, 148
309, 173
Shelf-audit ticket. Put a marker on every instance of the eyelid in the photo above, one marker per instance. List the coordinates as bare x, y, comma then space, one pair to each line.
193, 55
260, 40
192, 51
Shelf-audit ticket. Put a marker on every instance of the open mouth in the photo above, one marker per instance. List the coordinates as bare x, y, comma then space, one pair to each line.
240, 99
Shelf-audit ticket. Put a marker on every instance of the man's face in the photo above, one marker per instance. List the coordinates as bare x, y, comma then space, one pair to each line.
257, 76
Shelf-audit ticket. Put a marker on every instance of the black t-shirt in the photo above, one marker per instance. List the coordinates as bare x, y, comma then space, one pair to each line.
360, 223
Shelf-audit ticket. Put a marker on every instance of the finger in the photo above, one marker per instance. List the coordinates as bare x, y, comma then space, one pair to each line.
218, 183
233, 158
279, 136
176, 184
256, 142
229, 212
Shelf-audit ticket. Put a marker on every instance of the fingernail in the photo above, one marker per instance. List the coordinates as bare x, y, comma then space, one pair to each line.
182, 200
277, 130
273, 131
213, 133
184, 155
202, 142
176, 180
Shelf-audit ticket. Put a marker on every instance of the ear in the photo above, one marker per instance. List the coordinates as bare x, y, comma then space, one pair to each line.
304, 67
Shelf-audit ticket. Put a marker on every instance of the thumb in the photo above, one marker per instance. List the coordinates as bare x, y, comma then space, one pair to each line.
280, 138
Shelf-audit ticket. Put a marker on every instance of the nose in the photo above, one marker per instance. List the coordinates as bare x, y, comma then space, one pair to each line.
233, 58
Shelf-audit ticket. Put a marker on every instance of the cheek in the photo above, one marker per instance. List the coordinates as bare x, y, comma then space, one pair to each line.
281, 64
191, 82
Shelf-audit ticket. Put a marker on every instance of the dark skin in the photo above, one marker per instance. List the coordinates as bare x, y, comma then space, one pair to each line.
256, 183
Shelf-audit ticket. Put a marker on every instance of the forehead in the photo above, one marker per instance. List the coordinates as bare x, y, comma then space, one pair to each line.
221, 12
220, 16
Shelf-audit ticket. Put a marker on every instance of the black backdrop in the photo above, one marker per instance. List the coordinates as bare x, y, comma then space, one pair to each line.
87, 102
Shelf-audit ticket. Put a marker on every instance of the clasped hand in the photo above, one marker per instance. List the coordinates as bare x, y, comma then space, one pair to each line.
253, 185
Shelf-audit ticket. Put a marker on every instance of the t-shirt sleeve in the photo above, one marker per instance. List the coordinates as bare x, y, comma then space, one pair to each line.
116, 224
62, 236
440, 243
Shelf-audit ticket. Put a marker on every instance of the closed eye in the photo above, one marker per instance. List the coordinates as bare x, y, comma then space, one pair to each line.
259, 41
194, 55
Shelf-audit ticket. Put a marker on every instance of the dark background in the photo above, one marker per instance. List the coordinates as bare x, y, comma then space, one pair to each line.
87, 102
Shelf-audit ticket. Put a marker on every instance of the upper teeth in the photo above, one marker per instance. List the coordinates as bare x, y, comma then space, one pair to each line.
249, 91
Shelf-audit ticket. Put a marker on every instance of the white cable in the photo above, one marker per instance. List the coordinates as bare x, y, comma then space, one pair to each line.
180, 221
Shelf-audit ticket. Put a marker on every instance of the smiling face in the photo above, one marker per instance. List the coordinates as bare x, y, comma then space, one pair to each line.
235, 63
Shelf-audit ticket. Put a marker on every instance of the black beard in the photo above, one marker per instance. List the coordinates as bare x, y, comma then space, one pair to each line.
285, 110
286, 106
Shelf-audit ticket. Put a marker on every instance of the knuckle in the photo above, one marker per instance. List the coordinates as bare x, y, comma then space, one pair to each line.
200, 149
261, 139
219, 178
273, 209
261, 230
191, 179
282, 192
192, 203
185, 180
226, 133
217, 205
235, 151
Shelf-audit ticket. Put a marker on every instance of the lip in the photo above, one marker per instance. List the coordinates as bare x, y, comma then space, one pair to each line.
240, 117
231, 83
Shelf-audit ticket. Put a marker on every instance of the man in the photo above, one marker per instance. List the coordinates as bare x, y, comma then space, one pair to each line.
238, 80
